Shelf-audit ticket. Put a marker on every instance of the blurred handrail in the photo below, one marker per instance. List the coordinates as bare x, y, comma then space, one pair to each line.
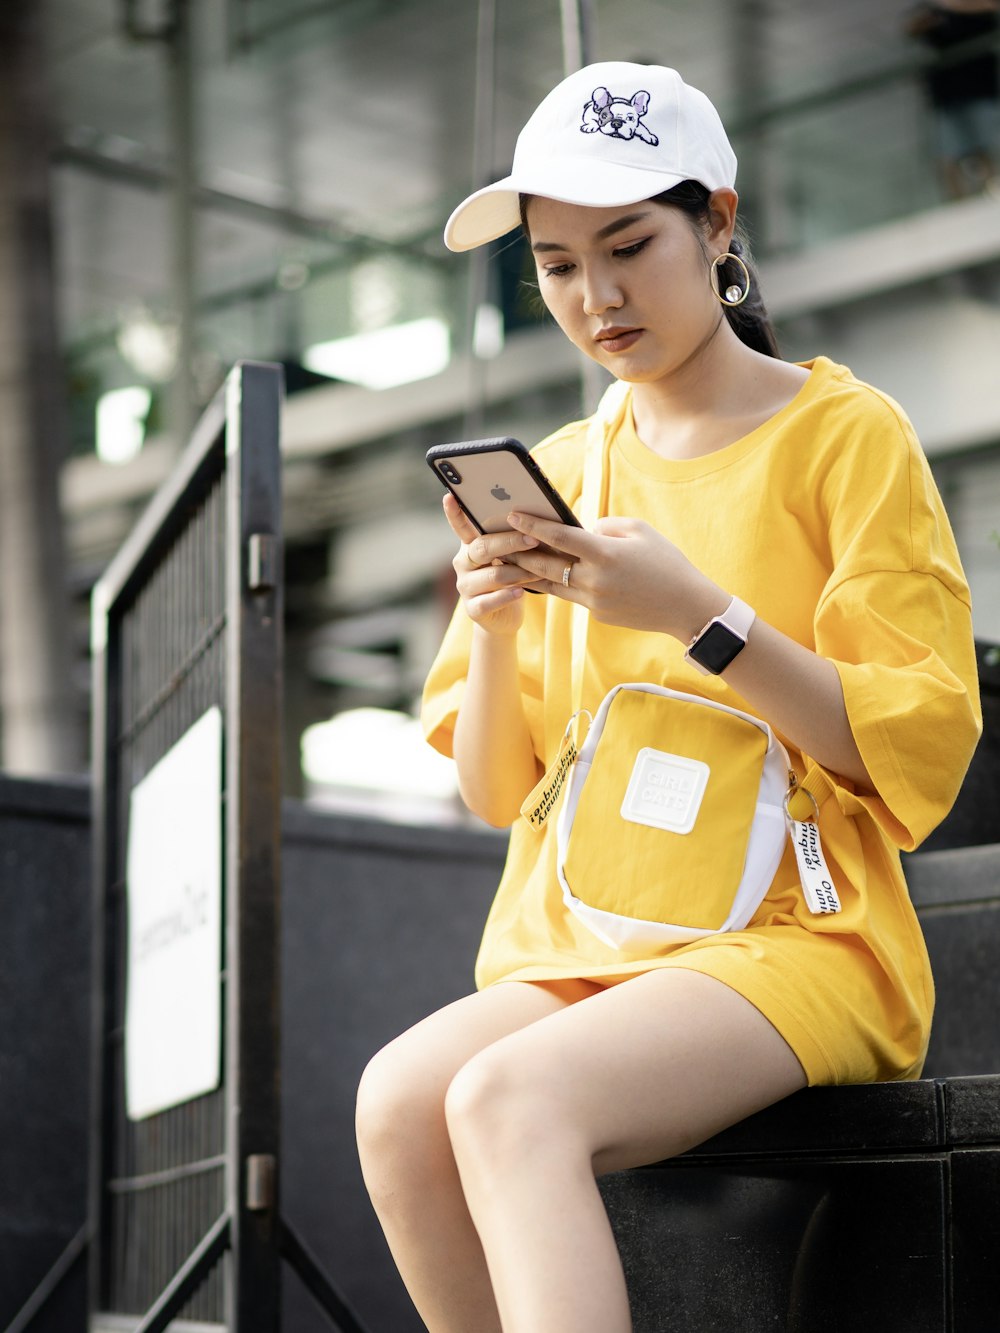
899, 71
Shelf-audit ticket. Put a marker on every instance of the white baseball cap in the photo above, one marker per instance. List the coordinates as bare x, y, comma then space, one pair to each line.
612, 133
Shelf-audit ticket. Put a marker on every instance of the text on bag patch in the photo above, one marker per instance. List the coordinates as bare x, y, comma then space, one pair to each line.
665, 790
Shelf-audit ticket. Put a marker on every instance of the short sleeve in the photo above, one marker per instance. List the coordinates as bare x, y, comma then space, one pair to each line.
902, 645
896, 622
445, 684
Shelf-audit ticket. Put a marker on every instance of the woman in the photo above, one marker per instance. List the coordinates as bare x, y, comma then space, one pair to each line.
792, 504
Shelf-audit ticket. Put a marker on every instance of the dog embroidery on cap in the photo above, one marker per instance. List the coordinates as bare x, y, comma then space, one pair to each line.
619, 117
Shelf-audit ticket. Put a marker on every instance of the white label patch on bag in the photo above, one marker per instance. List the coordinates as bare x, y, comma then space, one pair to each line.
665, 791
817, 883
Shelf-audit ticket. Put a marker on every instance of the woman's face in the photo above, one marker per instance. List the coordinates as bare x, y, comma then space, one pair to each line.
628, 285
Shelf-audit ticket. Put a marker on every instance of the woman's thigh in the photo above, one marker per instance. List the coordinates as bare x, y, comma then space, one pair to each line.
636, 1073
415, 1069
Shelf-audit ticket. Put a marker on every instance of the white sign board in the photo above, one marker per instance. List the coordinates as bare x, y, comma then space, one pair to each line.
173, 1035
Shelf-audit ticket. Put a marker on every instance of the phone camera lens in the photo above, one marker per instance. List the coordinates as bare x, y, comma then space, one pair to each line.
451, 474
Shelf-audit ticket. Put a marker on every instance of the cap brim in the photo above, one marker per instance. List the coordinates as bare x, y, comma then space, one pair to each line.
495, 210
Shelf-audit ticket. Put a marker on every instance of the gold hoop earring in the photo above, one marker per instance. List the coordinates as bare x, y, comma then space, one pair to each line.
734, 295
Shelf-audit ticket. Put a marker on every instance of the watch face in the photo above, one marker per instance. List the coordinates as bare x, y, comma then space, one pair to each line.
717, 647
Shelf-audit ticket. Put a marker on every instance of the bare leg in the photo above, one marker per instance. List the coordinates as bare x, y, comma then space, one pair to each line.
407, 1159
633, 1075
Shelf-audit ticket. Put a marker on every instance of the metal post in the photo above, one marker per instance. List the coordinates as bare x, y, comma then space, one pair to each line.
253, 874
578, 40
482, 165
578, 32
40, 730
181, 97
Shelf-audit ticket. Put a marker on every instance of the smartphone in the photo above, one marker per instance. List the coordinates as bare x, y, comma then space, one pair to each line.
490, 478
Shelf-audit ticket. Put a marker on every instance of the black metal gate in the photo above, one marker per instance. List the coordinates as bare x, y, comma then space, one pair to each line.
184, 1221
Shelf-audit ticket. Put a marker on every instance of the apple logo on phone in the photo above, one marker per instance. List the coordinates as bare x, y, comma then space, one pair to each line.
499, 493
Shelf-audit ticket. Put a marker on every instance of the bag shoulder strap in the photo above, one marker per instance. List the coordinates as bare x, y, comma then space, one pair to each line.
594, 498
594, 505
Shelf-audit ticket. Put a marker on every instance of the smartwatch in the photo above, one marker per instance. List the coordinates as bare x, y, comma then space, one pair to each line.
721, 640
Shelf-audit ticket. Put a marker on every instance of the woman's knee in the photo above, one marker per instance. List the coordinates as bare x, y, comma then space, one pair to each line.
498, 1113
399, 1102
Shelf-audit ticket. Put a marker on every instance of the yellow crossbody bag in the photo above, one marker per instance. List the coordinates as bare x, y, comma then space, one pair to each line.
672, 823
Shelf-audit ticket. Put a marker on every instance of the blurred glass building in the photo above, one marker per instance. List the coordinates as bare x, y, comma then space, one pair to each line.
268, 179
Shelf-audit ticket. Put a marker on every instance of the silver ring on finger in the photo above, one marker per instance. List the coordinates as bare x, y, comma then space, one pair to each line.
566, 573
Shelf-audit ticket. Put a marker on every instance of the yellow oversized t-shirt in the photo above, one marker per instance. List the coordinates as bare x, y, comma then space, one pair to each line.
826, 521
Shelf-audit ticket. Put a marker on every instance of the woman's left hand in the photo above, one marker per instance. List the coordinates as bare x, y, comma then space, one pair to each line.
625, 573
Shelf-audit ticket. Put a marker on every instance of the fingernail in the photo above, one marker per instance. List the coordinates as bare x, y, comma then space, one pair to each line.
531, 541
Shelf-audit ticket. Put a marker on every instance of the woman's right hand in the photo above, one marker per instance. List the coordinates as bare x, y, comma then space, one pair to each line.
491, 590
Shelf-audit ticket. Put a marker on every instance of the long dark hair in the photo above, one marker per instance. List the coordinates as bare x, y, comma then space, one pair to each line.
749, 321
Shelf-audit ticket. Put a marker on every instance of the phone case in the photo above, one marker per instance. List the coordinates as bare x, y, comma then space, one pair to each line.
490, 478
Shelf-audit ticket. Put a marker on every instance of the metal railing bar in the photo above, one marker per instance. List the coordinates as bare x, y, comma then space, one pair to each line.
303, 1262
188, 1278
902, 70
162, 516
169, 690
105, 1322
167, 1176
52, 1281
